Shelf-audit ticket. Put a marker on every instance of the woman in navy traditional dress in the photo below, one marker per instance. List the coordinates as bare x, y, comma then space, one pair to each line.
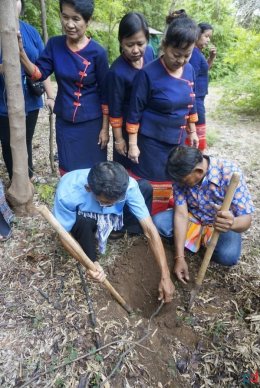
133, 36
162, 110
80, 66
201, 67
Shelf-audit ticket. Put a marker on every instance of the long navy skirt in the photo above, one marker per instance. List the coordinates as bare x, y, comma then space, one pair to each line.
78, 144
152, 160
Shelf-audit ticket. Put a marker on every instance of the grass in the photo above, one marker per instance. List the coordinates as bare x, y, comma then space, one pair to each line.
46, 193
212, 137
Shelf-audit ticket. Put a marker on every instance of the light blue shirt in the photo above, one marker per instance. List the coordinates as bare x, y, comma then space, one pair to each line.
72, 196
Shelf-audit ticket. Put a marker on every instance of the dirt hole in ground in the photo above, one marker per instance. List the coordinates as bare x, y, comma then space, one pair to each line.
136, 276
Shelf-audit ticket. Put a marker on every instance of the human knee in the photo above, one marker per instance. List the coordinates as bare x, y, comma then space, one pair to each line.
164, 223
228, 249
225, 259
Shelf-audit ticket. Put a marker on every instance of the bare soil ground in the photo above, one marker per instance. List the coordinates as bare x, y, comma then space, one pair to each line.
45, 320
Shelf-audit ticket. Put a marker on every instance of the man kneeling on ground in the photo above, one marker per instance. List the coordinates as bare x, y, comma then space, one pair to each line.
200, 184
92, 203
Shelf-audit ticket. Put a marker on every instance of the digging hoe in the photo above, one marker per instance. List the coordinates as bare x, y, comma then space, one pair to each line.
214, 239
73, 247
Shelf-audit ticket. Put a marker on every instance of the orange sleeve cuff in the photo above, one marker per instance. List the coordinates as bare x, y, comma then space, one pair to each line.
36, 74
193, 118
132, 128
105, 110
116, 122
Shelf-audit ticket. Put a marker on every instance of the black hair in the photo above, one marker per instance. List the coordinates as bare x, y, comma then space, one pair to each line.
84, 7
108, 178
180, 13
181, 33
181, 161
204, 27
132, 23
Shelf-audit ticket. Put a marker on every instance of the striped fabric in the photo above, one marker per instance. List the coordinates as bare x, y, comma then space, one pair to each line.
162, 194
201, 132
197, 234
105, 224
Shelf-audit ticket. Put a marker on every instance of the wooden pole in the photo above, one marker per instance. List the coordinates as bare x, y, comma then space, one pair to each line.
77, 252
44, 21
214, 239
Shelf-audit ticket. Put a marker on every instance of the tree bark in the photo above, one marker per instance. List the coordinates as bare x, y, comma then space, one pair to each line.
44, 21
20, 193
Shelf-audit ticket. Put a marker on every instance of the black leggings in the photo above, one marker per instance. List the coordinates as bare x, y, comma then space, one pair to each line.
85, 228
31, 120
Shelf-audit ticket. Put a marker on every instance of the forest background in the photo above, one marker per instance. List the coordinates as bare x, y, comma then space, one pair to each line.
236, 36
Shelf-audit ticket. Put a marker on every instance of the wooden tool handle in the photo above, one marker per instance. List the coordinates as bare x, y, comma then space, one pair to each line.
77, 252
214, 238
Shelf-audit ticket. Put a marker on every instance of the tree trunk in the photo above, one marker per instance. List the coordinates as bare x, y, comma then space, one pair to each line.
44, 21
20, 193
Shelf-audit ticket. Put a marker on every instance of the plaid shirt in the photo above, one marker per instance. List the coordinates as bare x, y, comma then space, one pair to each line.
201, 198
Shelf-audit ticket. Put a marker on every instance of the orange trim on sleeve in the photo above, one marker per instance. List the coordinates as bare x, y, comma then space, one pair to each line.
132, 128
105, 110
193, 118
116, 122
36, 74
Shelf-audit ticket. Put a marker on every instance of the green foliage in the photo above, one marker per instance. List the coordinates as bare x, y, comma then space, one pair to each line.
46, 193
59, 383
32, 15
108, 13
243, 85
110, 44
212, 137
72, 354
238, 56
154, 11
221, 15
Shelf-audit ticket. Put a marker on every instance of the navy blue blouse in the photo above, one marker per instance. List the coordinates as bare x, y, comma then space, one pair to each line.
33, 46
201, 68
80, 77
119, 87
162, 104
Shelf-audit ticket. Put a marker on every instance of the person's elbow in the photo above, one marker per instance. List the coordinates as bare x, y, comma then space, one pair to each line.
242, 223
248, 221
